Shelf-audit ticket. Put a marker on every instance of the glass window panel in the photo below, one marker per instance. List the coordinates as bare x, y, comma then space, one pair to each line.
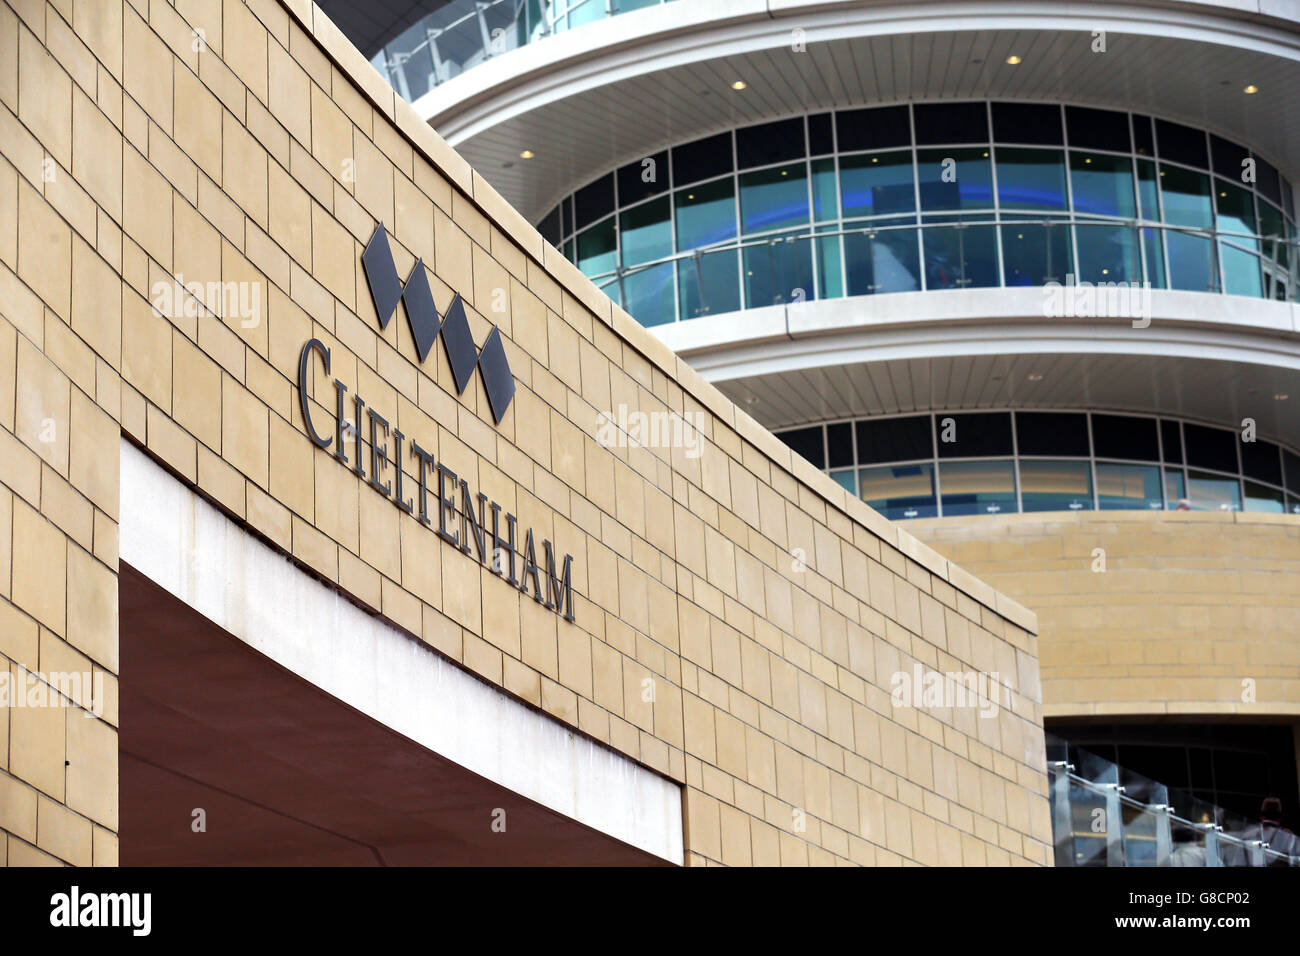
820, 138
566, 218
594, 200
847, 479
1097, 129
586, 11
960, 256
569, 251
610, 287
966, 182
1291, 465
894, 439
769, 143
1171, 439
1153, 251
1031, 178
1035, 254
1102, 185
878, 260
645, 178
1241, 275
1293, 504
1191, 262
597, 250
1175, 492
705, 214
1128, 487
702, 159
1182, 144
1262, 461
877, 128
708, 283
778, 270
1108, 254
830, 267
550, 227
774, 198
1125, 436
877, 184
645, 232
839, 444
1267, 181
825, 197
977, 487
807, 442
1052, 433
974, 434
899, 491
1261, 498
1148, 190
1207, 447
1144, 141
1186, 197
1055, 485
1236, 207
648, 294
1035, 123
1209, 492
1227, 157
951, 123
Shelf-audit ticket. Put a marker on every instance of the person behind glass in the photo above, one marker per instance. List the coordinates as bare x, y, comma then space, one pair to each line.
1184, 504
1270, 831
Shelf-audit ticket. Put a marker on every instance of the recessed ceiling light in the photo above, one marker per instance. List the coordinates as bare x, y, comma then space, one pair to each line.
739, 85
1088, 160
1252, 88
1035, 377
527, 154
1013, 59
875, 159
1280, 397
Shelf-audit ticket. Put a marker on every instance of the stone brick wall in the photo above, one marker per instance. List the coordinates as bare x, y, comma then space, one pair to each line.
249, 144
1148, 612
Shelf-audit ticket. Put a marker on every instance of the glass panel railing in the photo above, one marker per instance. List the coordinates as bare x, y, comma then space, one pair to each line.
464, 33
1120, 263
1106, 815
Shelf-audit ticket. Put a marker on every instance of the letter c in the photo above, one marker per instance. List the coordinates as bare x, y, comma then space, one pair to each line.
313, 345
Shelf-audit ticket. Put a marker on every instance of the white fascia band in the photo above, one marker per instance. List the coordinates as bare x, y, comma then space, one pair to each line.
193, 551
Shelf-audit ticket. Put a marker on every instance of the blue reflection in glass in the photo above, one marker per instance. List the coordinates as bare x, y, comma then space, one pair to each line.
1102, 185
1107, 253
881, 260
899, 491
773, 198
951, 179
877, 184
778, 270
1031, 178
648, 294
705, 214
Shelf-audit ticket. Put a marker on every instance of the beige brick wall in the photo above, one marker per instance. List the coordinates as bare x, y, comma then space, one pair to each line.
228, 142
1190, 613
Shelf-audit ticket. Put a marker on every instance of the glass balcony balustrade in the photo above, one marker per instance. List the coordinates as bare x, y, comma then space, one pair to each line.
1106, 815
464, 33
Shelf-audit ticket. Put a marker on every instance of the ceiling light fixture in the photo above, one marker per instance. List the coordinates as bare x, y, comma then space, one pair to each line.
1280, 397
1035, 377
1252, 88
739, 85
527, 154
1013, 59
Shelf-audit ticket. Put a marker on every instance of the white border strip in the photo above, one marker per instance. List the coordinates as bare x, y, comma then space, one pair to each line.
194, 552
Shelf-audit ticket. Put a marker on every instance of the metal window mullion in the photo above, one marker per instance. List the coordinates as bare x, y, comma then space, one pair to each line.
1015, 457
916, 199
997, 199
934, 443
1092, 463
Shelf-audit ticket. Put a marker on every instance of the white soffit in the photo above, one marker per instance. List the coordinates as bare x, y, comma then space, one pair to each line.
194, 552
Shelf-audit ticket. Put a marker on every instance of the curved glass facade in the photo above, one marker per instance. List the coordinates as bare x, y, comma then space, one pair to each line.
990, 462
930, 196
464, 33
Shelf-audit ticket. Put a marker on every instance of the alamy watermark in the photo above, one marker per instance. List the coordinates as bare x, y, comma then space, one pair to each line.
231, 300
55, 689
1098, 300
924, 687
624, 427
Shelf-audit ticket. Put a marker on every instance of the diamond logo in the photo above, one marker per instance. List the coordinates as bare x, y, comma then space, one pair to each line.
386, 290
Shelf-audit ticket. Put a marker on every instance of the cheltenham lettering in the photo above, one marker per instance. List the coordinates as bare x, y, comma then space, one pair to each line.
440, 499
